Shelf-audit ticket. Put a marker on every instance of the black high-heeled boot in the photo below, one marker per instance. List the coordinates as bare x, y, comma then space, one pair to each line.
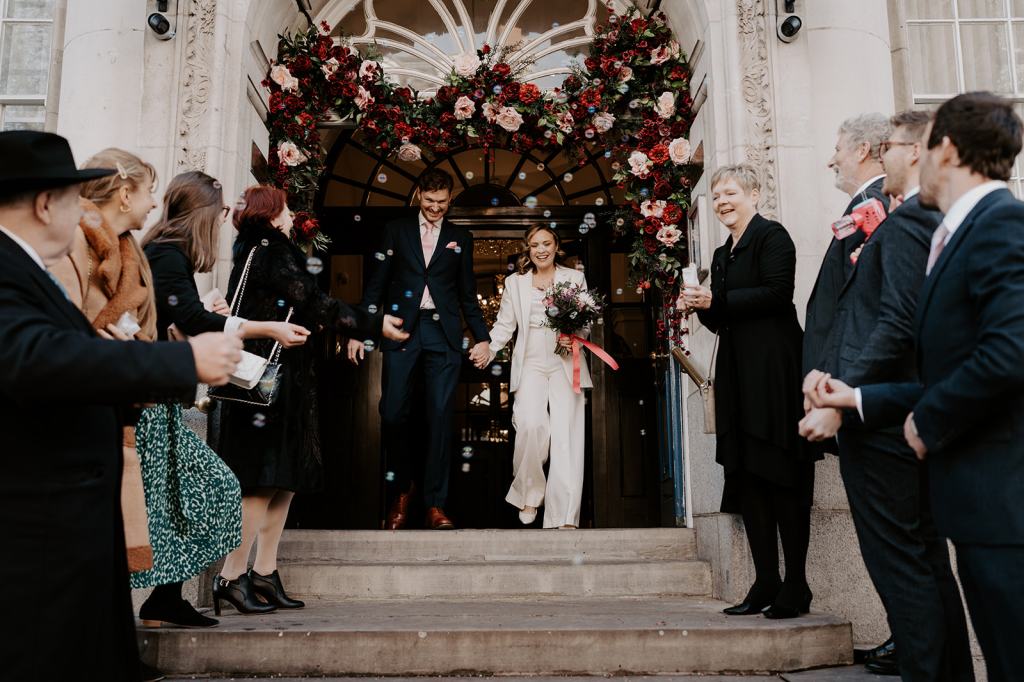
757, 599
240, 594
165, 606
269, 587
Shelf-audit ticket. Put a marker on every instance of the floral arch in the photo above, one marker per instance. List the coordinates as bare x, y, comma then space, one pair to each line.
627, 101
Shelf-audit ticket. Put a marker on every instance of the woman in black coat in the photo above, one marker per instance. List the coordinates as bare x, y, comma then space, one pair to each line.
769, 476
275, 451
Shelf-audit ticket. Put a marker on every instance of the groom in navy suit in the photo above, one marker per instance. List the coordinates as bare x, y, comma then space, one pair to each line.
425, 276
966, 414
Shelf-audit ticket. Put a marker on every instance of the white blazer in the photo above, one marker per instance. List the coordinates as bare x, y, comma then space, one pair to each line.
514, 313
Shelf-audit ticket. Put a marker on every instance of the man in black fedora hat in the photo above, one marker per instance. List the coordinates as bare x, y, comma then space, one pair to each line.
64, 569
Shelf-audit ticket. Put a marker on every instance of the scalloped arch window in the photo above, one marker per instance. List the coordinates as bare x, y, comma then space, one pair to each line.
419, 39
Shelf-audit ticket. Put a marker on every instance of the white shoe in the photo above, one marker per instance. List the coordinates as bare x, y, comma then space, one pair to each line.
528, 515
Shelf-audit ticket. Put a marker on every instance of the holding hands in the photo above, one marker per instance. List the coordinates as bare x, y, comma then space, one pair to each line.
481, 354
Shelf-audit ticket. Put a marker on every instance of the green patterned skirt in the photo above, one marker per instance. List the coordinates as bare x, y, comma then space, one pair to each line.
192, 498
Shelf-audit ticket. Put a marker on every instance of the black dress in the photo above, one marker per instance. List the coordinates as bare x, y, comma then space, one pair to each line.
758, 398
279, 446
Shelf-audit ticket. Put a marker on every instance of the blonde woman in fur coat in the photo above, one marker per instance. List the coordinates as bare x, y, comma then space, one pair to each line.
549, 417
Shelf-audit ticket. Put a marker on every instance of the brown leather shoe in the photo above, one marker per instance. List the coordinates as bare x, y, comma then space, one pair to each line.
399, 514
437, 520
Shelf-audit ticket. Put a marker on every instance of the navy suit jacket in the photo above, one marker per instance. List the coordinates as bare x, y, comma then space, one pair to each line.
969, 404
396, 285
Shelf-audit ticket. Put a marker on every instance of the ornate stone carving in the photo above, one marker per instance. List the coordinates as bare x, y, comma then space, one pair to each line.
757, 88
194, 92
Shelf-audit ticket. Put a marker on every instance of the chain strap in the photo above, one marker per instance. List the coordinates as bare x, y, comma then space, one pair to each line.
236, 302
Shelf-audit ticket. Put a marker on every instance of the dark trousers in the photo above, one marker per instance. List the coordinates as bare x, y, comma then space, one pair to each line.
771, 513
993, 581
426, 356
906, 559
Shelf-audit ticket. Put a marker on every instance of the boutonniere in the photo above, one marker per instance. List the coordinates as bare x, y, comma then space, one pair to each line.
452, 245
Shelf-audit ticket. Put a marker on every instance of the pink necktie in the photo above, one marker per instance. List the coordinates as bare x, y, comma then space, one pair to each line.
938, 243
429, 241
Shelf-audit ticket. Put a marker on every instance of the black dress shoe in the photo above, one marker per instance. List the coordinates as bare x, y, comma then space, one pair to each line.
240, 594
150, 674
757, 600
269, 587
791, 603
178, 613
883, 666
884, 650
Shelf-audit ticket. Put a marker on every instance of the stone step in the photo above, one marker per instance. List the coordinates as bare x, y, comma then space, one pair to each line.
488, 545
527, 637
574, 578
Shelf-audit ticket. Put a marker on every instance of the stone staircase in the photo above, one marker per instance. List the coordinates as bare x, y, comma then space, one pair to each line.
531, 602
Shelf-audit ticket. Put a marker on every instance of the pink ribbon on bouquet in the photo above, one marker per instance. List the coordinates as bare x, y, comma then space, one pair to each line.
593, 348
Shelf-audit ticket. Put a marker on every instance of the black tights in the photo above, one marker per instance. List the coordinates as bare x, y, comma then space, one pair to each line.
771, 511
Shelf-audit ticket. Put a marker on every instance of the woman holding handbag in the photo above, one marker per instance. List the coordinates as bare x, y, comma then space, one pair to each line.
274, 449
769, 475
192, 497
548, 415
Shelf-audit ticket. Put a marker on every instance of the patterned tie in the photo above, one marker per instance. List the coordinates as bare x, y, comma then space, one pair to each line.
938, 243
429, 241
58, 284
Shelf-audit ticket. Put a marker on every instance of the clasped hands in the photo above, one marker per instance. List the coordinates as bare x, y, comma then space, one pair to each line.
824, 399
694, 297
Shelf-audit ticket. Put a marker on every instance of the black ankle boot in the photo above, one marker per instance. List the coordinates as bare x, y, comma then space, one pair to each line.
757, 599
240, 594
269, 587
157, 611
791, 602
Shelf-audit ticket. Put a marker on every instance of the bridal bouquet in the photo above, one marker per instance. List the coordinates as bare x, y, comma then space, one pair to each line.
571, 310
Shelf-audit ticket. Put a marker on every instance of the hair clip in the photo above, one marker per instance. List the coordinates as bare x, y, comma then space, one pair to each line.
121, 172
216, 184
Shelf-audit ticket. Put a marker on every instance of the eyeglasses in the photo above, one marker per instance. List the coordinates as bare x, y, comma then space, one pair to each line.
886, 145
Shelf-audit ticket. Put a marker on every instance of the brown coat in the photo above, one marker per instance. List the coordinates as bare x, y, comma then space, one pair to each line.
107, 275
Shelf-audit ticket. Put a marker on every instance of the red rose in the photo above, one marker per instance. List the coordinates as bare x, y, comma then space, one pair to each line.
511, 91
307, 120
502, 70
678, 73
403, 130
590, 97
638, 25
302, 64
591, 63
672, 214
658, 153
486, 49
662, 190
529, 93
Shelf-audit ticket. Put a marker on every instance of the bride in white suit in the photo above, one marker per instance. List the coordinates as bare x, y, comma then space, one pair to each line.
547, 414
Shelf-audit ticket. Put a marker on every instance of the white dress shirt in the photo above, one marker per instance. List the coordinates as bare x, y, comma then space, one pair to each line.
427, 303
862, 188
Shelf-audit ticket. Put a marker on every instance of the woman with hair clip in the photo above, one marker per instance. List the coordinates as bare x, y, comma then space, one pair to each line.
193, 498
547, 414
275, 451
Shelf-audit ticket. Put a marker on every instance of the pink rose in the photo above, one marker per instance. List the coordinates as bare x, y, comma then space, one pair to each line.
369, 68
565, 122
509, 119
289, 154
409, 152
363, 98
625, 74
654, 209
466, 64
490, 112
639, 164
660, 55
679, 150
603, 121
283, 77
665, 106
330, 67
668, 235
464, 108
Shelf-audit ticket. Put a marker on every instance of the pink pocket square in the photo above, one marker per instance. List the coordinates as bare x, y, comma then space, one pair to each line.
452, 245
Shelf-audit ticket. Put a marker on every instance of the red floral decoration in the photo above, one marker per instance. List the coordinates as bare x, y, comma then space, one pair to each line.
630, 98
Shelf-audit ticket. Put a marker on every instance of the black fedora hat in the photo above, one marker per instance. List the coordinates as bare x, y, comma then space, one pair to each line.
31, 160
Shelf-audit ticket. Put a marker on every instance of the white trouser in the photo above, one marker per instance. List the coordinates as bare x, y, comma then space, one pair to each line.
544, 386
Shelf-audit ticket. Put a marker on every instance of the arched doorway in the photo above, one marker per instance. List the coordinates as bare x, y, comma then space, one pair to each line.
498, 194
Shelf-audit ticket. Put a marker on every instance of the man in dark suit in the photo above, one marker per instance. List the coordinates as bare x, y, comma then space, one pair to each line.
872, 341
966, 414
425, 276
64, 565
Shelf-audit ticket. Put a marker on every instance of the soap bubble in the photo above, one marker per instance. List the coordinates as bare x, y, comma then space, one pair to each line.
457, 249
618, 292
584, 228
522, 175
553, 224
379, 256
547, 134
394, 307
469, 175
467, 452
280, 303
554, 24
391, 252
634, 103
314, 265
357, 217
496, 370
644, 191
478, 93
408, 293
540, 166
389, 476
368, 344
172, 300
531, 202
372, 309
607, 153
495, 201
567, 177
465, 343
599, 201
382, 177
591, 110
511, 267
259, 420
589, 133
620, 222
547, 213
496, 89
264, 242
465, 467
589, 218
435, 317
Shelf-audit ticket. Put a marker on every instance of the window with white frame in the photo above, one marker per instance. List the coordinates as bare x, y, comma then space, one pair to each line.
26, 30
962, 45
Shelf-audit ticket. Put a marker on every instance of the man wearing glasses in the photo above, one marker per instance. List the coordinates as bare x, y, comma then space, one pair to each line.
872, 342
